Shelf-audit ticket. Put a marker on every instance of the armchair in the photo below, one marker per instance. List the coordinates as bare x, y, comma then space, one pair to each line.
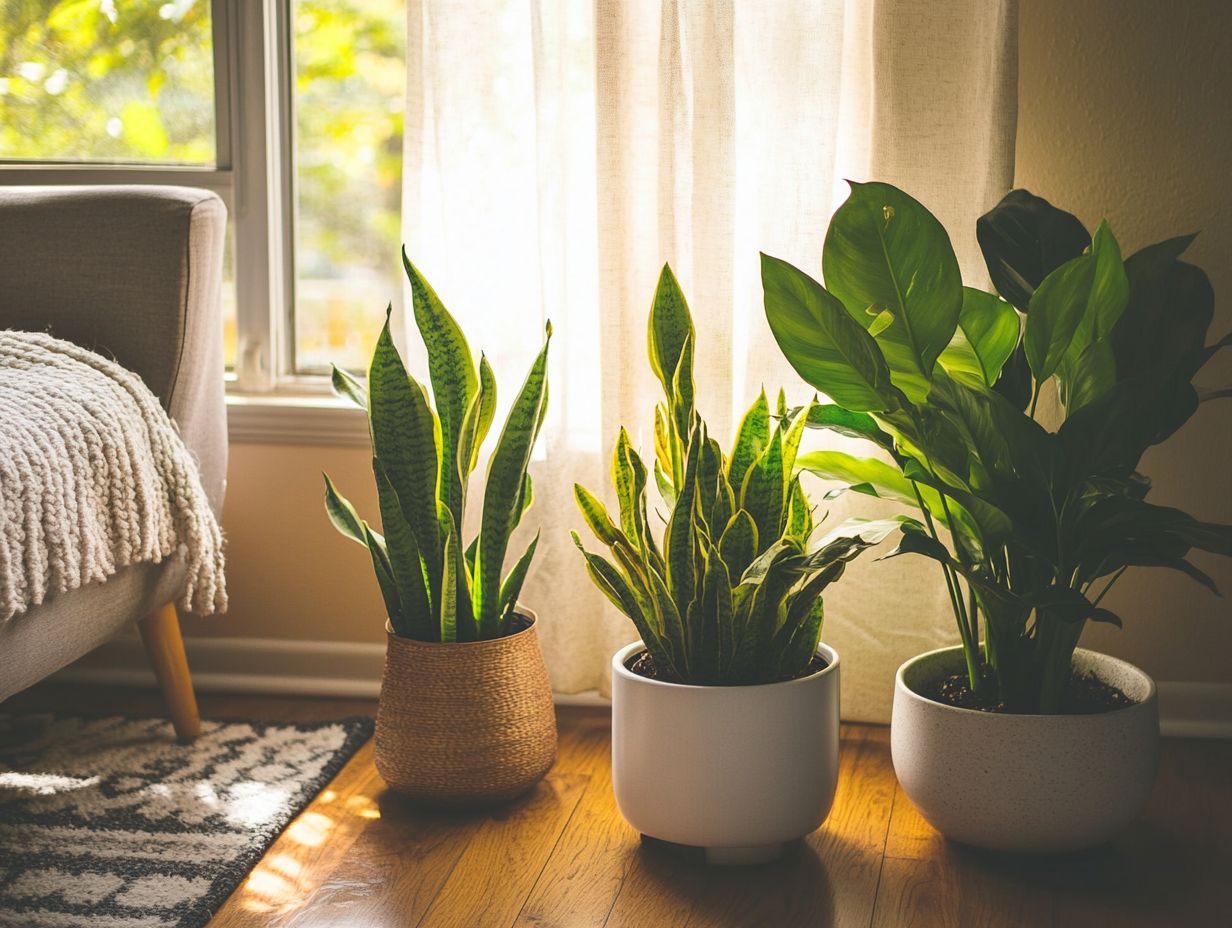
133, 272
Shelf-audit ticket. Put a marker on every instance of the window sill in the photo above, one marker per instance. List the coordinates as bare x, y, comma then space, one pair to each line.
265, 419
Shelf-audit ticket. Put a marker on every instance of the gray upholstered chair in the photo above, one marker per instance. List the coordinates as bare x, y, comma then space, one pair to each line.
133, 273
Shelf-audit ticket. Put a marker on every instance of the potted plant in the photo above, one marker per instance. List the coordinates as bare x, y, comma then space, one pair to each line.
1015, 739
465, 714
725, 713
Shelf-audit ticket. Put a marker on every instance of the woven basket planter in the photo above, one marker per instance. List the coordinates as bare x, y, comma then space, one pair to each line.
466, 724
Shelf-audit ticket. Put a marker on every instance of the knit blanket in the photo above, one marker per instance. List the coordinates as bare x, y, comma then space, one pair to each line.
94, 477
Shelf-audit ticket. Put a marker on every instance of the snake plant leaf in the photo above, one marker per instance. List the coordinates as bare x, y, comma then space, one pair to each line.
671, 621
596, 517
527, 497
794, 434
406, 565
799, 513
670, 326
1025, 238
683, 388
666, 489
802, 644
385, 581
503, 494
512, 587
342, 514
764, 493
406, 439
885, 251
825, 345
452, 372
487, 406
629, 479
666, 454
346, 385
679, 540
449, 579
987, 334
738, 543
751, 439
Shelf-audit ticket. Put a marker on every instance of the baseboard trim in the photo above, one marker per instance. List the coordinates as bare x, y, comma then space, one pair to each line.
274, 666
283, 667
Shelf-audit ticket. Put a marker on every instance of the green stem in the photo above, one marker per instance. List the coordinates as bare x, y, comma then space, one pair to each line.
1035, 395
1104, 591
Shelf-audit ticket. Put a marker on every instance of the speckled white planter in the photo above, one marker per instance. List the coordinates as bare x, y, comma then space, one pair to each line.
737, 770
1027, 783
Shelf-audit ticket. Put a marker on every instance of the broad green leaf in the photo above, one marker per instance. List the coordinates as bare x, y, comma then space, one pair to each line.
452, 371
852, 424
885, 251
1091, 377
987, 333
1024, 239
406, 441
346, 385
1076, 304
406, 565
670, 326
503, 495
824, 344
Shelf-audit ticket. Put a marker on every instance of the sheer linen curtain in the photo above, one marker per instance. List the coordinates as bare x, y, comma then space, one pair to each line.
559, 152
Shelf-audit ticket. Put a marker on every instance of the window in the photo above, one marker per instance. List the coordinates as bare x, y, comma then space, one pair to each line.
290, 110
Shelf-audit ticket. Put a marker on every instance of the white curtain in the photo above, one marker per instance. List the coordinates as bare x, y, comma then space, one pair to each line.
558, 152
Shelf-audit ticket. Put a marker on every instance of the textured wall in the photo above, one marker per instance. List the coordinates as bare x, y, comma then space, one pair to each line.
1123, 113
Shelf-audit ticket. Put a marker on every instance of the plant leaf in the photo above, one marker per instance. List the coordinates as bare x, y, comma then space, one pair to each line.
405, 563
825, 345
670, 326
987, 334
885, 251
1024, 239
502, 501
346, 385
512, 587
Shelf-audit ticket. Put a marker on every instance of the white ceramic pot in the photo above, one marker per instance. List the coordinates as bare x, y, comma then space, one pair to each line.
737, 770
1025, 783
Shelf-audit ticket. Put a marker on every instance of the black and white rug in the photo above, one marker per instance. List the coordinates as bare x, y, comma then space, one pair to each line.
109, 823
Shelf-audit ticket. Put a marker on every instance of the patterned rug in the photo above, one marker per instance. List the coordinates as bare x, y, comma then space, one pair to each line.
109, 823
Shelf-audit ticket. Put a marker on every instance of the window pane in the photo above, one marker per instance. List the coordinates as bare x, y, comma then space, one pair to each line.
107, 80
349, 85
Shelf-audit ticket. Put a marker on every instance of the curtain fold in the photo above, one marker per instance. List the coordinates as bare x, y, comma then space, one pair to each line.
557, 154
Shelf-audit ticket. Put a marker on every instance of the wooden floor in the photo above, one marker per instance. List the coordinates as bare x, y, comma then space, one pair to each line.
562, 857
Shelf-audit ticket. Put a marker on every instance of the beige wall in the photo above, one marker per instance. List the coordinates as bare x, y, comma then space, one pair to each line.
1123, 113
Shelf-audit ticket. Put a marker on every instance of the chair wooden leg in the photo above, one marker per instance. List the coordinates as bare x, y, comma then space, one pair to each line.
160, 632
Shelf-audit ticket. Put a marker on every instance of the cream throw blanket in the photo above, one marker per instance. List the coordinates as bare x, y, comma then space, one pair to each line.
94, 477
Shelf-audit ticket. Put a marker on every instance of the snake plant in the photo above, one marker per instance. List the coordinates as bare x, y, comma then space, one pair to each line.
945, 380
732, 593
435, 587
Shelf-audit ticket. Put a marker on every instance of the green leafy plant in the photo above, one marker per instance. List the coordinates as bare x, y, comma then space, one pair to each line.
946, 381
732, 595
435, 587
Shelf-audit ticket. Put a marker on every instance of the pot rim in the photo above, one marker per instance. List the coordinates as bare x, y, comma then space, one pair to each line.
900, 685
519, 609
827, 653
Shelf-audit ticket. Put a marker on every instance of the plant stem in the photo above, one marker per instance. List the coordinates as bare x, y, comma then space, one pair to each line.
1104, 591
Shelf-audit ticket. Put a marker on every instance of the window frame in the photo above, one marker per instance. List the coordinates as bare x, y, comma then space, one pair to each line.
253, 175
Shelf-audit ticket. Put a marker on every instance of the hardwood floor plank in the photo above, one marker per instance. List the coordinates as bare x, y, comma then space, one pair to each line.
584, 874
493, 876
